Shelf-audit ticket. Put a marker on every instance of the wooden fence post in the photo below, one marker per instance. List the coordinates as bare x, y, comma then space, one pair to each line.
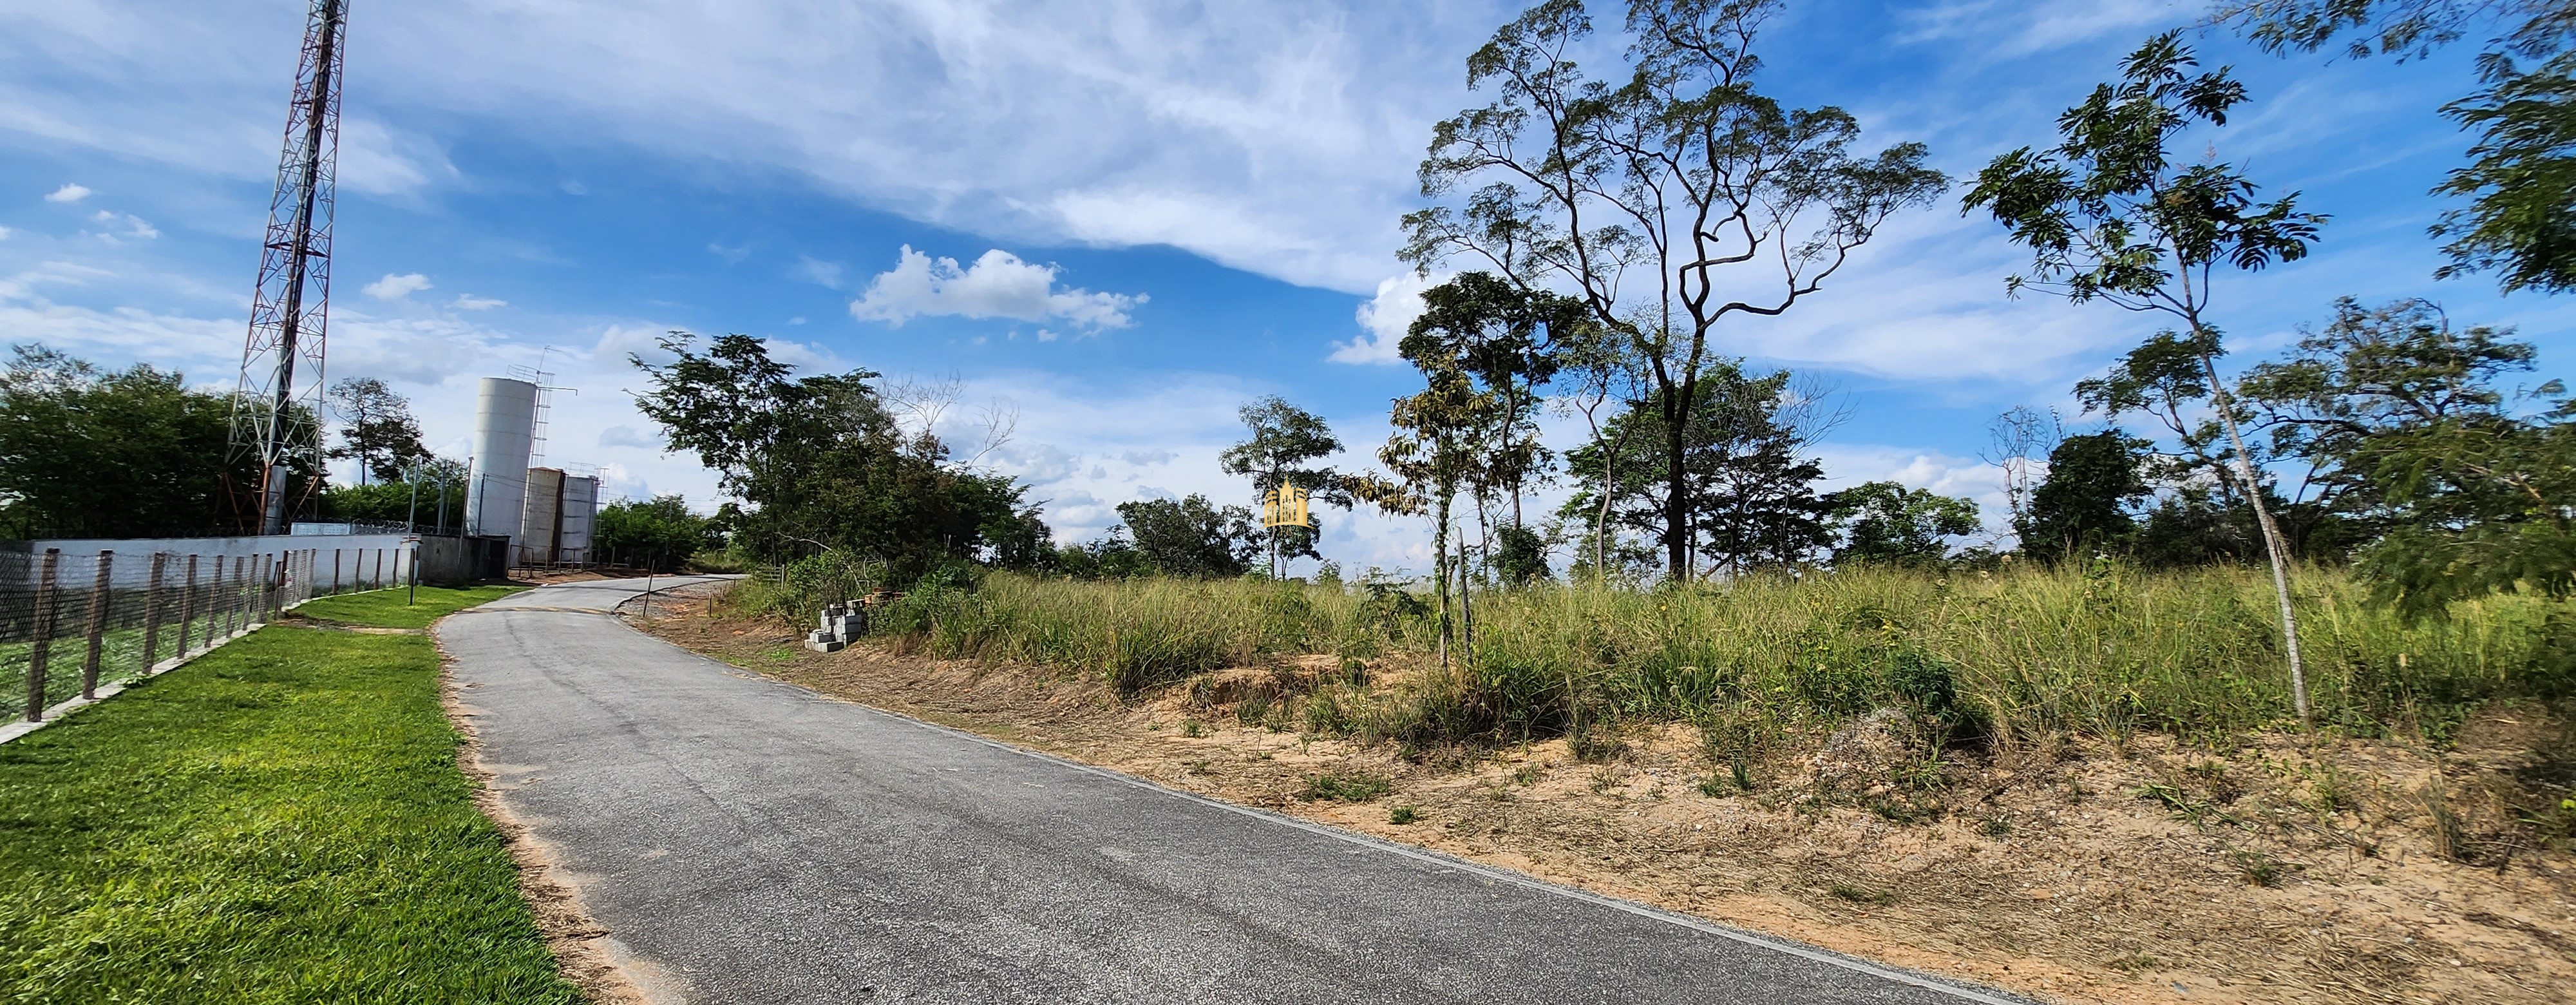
233, 599
187, 606
152, 612
97, 635
42, 652
335, 570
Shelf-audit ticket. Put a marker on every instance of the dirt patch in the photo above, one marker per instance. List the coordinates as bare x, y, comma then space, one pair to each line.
2144, 871
584, 952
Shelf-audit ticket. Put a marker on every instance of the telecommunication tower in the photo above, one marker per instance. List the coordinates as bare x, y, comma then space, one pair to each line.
278, 403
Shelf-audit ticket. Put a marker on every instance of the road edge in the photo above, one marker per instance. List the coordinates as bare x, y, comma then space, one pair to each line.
1930, 982
586, 953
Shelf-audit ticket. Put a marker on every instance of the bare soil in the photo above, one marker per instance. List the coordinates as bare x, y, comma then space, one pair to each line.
2288, 870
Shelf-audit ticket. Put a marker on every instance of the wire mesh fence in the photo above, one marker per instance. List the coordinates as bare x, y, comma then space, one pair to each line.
71, 622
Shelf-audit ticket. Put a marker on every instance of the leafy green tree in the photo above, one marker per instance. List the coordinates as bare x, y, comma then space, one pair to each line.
1743, 467
660, 533
1432, 454
1645, 192
1192, 537
2472, 484
377, 429
1501, 337
1286, 441
2085, 499
127, 453
2110, 215
1885, 523
820, 460
2520, 221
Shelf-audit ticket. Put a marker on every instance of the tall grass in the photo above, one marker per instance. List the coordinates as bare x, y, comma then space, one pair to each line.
2021, 653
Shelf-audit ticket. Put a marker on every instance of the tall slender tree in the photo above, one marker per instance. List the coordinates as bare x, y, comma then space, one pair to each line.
1667, 196
2110, 214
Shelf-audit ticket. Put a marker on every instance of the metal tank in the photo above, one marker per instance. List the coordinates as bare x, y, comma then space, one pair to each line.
505, 419
580, 510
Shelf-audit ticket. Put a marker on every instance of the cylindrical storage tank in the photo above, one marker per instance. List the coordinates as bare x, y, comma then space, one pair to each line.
580, 510
505, 425
542, 526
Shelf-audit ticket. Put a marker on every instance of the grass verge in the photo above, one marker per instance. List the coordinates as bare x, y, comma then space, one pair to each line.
281, 821
392, 609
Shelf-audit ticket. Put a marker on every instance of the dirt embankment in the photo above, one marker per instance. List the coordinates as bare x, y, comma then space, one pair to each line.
2285, 871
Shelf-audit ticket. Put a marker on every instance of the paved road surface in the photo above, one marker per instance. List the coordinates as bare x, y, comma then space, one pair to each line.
753, 842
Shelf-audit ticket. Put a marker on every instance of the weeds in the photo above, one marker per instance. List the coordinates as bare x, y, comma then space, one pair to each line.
2257, 868
1401, 815
2015, 659
1353, 787
1193, 728
1861, 895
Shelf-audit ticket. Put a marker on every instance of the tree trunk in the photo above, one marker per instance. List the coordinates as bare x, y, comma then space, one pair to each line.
1676, 497
2272, 546
1440, 569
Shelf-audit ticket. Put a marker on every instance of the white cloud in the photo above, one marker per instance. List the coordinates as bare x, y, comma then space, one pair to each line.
470, 302
2015, 29
997, 285
68, 193
622, 435
376, 158
134, 225
396, 287
5, 232
817, 271
1384, 319
1275, 138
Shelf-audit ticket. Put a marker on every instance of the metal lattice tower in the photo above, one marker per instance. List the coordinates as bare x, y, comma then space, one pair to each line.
278, 403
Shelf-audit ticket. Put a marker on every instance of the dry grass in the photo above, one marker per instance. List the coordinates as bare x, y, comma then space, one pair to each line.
2277, 867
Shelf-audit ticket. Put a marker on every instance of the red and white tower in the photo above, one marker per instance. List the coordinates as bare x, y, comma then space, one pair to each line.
278, 404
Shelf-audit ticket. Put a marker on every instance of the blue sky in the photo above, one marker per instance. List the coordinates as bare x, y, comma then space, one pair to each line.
1116, 220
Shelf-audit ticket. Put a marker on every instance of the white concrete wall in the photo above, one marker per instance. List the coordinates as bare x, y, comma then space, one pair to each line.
132, 565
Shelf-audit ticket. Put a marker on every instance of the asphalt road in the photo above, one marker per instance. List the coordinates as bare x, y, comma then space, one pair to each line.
749, 841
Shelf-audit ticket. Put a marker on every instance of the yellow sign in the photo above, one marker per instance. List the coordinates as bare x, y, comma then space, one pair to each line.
1284, 506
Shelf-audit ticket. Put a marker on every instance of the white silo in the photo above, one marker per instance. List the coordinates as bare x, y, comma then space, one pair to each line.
505, 420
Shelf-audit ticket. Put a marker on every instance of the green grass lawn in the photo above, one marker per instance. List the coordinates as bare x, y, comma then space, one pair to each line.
386, 608
281, 821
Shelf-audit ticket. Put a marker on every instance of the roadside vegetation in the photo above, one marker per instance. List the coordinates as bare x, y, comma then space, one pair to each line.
2025, 654
282, 820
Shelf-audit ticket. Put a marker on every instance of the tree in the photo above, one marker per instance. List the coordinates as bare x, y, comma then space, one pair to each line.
2521, 177
378, 429
1286, 441
128, 453
1192, 537
660, 533
1502, 339
2016, 439
820, 460
2109, 215
1742, 468
1885, 523
2470, 483
1644, 197
2084, 501
1432, 455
